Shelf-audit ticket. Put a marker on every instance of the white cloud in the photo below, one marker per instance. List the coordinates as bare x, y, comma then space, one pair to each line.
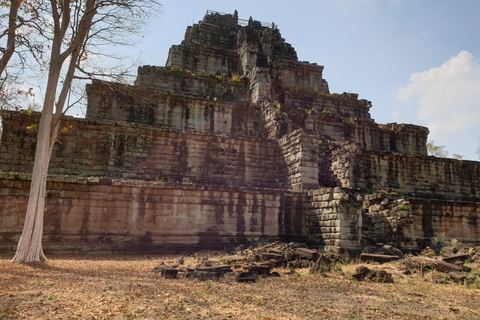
448, 97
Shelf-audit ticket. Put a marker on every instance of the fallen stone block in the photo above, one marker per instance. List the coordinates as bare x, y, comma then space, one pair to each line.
324, 262
382, 258
272, 256
259, 269
305, 254
247, 277
167, 273
232, 259
218, 269
457, 277
424, 263
362, 273
204, 275
457, 257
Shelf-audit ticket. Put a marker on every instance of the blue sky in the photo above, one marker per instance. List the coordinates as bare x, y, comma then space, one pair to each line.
418, 61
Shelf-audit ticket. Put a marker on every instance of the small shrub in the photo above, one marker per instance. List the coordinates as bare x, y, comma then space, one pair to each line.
235, 78
326, 112
404, 208
438, 239
455, 243
348, 121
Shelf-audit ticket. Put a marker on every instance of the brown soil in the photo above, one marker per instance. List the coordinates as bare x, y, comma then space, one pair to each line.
123, 287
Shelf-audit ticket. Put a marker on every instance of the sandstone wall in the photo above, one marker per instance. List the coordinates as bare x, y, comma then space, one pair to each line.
102, 216
451, 219
413, 223
417, 176
115, 149
209, 47
174, 111
404, 139
308, 76
300, 154
281, 120
335, 218
344, 106
181, 82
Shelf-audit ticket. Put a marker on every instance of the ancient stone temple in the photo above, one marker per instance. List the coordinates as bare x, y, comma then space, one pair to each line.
235, 140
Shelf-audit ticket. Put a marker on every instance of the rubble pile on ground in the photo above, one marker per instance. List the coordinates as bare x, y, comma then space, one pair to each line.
449, 262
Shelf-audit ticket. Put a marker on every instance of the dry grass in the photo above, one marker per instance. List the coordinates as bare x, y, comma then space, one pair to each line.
122, 287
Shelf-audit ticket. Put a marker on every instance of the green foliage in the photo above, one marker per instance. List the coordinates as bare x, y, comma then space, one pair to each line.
455, 243
404, 208
348, 121
374, 190
437, 151
478, 152
438, 239
352, 205
52, 297
326, 112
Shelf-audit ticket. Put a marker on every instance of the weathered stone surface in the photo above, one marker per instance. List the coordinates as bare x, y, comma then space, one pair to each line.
259, 269
363, 272
455, 258
424, 263
247, 277
234, 140
205, 275
378, 257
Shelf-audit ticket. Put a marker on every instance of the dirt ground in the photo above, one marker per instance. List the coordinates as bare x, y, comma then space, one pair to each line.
123, 287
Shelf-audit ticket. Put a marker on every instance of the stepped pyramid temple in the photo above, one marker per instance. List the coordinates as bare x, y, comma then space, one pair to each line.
234, 141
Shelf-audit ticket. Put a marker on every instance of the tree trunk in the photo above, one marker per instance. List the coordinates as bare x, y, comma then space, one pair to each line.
29, 248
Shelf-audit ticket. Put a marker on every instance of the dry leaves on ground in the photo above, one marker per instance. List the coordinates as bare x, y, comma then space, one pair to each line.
123, 287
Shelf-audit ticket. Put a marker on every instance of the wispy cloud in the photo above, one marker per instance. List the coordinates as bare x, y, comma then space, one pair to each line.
449, 96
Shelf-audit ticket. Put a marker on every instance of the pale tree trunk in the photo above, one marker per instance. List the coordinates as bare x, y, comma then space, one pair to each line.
29, 247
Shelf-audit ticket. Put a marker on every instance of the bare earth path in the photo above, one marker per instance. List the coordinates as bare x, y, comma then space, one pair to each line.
122, 287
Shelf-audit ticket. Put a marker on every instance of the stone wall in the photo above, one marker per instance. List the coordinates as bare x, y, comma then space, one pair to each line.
333, 126
413, 223
102, 216
404, 139
116, 149
300, 153
416, 176
174, 111
335, 218
182, 82
387, 218
308, 76
344, 106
